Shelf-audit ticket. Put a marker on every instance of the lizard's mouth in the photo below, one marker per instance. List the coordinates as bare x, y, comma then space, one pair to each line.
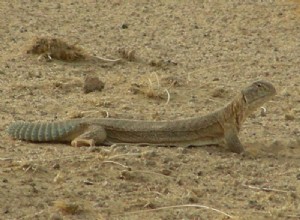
256, 95
254, 104
258, 100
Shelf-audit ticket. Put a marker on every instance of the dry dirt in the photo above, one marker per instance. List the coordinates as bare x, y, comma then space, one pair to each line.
200, 54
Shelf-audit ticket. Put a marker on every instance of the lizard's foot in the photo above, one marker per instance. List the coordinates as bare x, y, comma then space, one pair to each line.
236, 148
231, 138
92, 135
79, 142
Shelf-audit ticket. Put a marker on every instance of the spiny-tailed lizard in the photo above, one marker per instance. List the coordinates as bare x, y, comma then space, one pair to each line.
211, 129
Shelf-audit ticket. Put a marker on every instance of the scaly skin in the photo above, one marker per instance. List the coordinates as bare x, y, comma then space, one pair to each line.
44, 131
214, 128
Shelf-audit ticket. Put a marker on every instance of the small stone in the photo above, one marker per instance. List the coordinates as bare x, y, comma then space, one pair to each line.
92, 83
58, 6
56, 166
192, 198
292, 144
298, 176
126, 175
5, 210
23, 29
199, 173
182, 150
56, 216
289, 117
167, 160
149, 154
124, 26
219, 92
88, 182
165, 191
166, 172
285, 93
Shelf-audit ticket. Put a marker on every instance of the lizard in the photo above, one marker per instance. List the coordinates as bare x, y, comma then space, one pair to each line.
216, 128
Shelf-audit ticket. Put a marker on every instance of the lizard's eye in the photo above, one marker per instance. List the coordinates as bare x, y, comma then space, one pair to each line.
258, 85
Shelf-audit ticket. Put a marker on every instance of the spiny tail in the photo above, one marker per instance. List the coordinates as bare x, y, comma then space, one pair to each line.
41, 131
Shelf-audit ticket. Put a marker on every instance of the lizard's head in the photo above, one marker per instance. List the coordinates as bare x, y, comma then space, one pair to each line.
257, 94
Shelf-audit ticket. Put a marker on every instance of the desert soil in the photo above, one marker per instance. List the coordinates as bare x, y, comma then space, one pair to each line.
189, 58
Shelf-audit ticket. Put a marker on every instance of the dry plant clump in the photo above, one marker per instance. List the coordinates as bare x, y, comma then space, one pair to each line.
53, 48
67, 207
151, 90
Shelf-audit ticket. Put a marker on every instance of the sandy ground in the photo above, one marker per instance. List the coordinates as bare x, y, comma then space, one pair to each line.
201, 53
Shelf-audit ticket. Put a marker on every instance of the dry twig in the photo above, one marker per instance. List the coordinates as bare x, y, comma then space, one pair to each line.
267, 189
176, 206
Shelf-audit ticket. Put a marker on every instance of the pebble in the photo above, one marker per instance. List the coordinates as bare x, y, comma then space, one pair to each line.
289, 117
56, 166
149, 154
219, 93
124, 26
55, 216
166, 172
182, 150
91, 84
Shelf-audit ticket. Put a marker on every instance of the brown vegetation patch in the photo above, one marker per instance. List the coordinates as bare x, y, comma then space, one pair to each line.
54, 48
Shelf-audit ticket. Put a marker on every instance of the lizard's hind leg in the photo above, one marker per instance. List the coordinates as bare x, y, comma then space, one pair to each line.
92, 136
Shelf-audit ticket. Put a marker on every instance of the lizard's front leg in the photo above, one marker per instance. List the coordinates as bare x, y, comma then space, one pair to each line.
232, 140
93, 135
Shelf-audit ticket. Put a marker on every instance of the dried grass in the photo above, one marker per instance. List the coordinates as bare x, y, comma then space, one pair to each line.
67, 207
152, 90
54, 48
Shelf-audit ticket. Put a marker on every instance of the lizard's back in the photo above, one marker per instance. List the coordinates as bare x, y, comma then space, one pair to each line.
118, 130
132, 131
